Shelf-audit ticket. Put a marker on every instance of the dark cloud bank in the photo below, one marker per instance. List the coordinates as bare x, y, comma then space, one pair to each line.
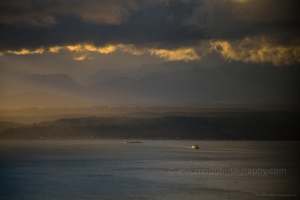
163, 24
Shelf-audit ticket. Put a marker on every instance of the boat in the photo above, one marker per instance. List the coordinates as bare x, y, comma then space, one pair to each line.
195, 146
134, 141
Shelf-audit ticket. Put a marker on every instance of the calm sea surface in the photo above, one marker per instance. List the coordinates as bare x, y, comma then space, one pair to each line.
155, 169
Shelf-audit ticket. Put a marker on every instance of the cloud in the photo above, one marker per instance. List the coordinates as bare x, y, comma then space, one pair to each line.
168, 29
130, 48
83, 57
142, 23
186, 54
83, 50
43, 13
107, 49
258, 49
228, 19
55, 49
26, 51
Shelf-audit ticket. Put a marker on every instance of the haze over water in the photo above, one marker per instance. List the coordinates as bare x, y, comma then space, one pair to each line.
155, 169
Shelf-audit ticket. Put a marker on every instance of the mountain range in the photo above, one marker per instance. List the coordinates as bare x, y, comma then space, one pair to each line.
41, 100
234, 83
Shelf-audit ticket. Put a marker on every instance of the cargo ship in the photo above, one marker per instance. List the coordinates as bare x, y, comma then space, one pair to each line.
134, 141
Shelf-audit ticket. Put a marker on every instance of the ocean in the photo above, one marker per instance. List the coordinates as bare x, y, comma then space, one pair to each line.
154, 169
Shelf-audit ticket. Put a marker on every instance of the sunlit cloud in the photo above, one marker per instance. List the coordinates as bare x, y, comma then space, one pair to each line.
55, 49
186, 54
91, 48
76, 48
130, 48
26, 51
257, 50
107, 49
83, 57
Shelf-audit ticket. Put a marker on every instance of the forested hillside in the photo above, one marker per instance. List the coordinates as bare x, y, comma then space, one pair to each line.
169, 127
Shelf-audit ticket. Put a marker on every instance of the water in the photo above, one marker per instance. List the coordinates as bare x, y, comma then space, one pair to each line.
113, 169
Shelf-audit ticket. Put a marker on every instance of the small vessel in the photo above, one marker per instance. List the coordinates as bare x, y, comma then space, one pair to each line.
134, 141
195, 146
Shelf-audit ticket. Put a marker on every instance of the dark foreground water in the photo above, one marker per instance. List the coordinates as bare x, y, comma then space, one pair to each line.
113, 169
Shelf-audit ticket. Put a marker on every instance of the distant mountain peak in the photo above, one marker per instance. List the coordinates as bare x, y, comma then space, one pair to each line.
40, 100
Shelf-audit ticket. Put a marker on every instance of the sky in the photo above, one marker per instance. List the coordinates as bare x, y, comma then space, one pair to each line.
81, 37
